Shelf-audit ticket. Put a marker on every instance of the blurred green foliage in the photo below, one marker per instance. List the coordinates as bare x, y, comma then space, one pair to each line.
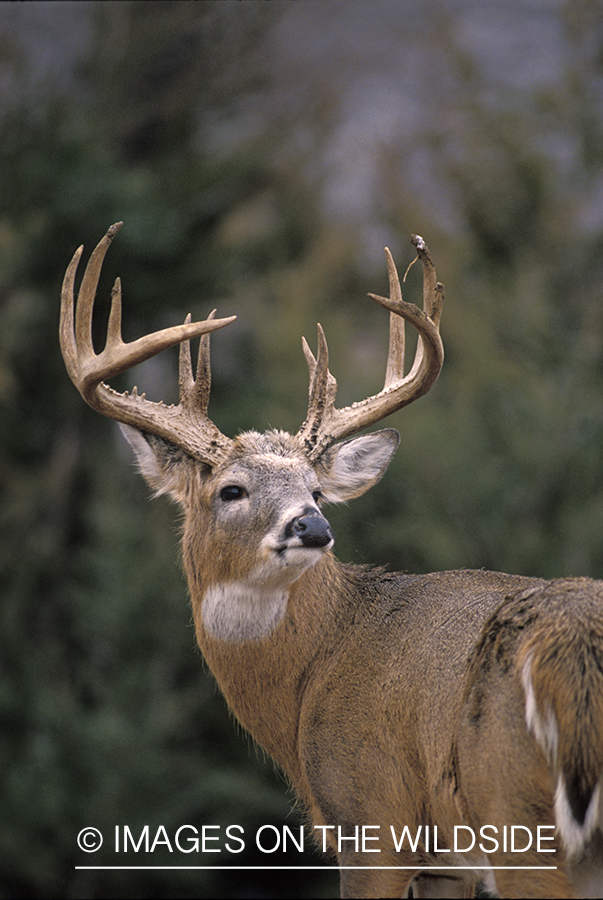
108, 716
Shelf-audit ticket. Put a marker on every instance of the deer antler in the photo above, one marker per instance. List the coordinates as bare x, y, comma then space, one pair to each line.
187, 424
324, 423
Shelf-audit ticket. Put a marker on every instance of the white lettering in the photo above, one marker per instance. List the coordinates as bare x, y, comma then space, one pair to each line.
406, 834
235, 838
342, 837
194, 841
458, 849
324, 835
488, 838
515, 849
366, 837
144, 837
161, 838
209, 837
277, 842
437, 849
300, 844
545, 837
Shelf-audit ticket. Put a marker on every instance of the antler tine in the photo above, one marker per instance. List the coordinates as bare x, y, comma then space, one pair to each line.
185, 367
186, 424
397, 332
195, 390
88, 287
323, 387
395, 354
202, 385
75, 331
114, 325
433, 291
433, 296
324, 423
66, 326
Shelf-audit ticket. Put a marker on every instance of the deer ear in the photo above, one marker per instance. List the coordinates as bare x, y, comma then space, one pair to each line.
348, 470
162, 464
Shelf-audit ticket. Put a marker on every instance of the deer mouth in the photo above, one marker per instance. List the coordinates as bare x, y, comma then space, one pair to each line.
283, 549
297, 555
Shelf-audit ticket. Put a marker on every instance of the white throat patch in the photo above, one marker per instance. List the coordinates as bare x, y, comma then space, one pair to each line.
241, 612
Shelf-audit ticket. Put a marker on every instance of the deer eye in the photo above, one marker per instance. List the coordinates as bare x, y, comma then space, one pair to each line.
232, 492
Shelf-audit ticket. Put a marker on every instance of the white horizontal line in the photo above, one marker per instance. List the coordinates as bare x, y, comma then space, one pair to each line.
320, 868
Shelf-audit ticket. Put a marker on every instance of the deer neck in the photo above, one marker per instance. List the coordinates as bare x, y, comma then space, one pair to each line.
238, 612
264, 677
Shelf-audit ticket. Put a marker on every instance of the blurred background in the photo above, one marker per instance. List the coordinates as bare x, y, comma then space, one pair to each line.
261, 156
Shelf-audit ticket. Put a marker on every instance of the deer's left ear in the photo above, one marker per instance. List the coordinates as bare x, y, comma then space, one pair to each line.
348, 470
163, 465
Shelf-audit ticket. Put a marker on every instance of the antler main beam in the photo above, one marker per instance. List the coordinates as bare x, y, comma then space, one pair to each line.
186, 424
326, 424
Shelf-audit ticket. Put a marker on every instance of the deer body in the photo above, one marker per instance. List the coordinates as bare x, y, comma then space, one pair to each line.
464, 701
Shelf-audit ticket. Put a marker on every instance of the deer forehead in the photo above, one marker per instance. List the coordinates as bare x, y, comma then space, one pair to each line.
269, 476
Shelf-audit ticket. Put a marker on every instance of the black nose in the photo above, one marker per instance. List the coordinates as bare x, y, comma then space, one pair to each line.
312, 529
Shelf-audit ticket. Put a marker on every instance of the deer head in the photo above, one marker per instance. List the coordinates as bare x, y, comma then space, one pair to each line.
253, 520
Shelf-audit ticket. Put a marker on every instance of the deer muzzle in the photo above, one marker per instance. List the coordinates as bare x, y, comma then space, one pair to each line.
312, 529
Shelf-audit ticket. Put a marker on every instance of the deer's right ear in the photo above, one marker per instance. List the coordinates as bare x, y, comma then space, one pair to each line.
348, 470
162, 464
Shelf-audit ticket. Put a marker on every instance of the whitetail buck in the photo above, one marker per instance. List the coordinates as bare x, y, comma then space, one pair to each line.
465, 698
